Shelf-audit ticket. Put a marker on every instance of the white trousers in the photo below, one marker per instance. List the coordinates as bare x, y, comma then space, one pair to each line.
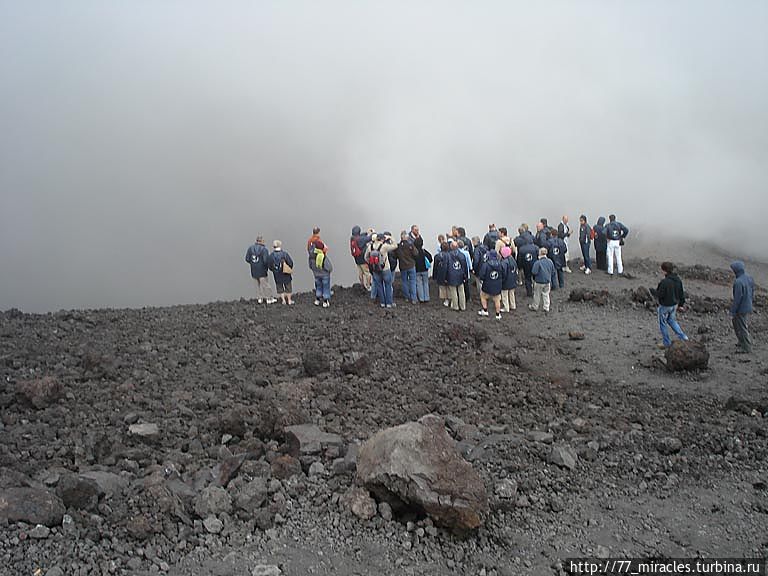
614, 247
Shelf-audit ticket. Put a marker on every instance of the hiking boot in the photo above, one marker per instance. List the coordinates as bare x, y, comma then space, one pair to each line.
482, 312
587, 271
317, 302
498, 316
326, 304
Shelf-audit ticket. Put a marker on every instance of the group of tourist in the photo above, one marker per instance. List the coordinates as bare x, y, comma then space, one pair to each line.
496, 264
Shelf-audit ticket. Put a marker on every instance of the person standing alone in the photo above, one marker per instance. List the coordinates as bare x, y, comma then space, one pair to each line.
671, 298
741, 308
616, 232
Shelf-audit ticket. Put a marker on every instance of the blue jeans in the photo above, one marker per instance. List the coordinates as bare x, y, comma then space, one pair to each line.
374, 289
585, 255
387, 291
377, 288
422, 286
668, 317
408, 279
323, 287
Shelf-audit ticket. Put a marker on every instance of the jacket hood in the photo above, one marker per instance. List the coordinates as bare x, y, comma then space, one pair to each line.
601, 221
356, 231
738, 267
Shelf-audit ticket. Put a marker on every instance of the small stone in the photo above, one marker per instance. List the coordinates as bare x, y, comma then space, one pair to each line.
573, 335
539, 436
213, 525
359, 501
385, 511
564, 456
39, 532
55, 571
146, 430
669, 445
316, 469
131, 418
506, 489
266, 570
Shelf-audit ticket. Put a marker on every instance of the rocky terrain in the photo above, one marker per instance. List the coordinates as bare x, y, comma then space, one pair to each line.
159, 441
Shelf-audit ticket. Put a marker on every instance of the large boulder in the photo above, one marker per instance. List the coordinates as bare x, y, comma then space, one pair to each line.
32, 506
686, 355
417, 465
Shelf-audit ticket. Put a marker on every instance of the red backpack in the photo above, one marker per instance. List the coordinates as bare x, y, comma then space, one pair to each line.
354, 247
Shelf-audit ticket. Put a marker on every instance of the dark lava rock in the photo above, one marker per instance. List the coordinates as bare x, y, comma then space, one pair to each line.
315, 362
642, 295
40, 393
417, 464
78, 492
357, 363
285, 466
669, 445
234, 421
308, 439
563, 456
31, 505
686, 355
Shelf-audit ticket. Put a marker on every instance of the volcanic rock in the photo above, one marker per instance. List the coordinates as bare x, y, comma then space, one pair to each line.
686, 355
357, 363
212, 500
285, 466
315, 362
416, 464
669, 445
145, 430
253, 495
40, 393
108, 483
213, 524
308, 439
563, 456
573, 335
359, 501
78, 492
31, 505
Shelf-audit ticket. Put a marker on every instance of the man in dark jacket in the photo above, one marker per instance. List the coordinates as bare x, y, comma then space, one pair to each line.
406, 258
457, 274
556, 252
671, 296
491, 274
585, 239
543, 272
542, 235
564, 233
526, 258
601, 244
489, 240
616, 232
509, 274
257, 256
423, 264
741, 308
440, 273
357, 244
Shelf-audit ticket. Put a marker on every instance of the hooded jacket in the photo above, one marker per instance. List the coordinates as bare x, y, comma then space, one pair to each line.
556, 252
490, 238
616, 230
542, 238
543, 271
492, 274
670, 291
362, 241
601, 241
422, 255
440, 268
524, 238
509, 273
743, 290
257, 256
458, 271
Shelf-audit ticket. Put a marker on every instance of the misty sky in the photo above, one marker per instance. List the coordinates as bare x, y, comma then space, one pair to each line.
144, 144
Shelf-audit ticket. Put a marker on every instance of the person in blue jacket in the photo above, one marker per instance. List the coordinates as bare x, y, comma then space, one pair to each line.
440, 273
281, 264
492, 275
585, 239
457, 275
741, 308
526, 258
509, 273
257, 256
556, 252
543, 272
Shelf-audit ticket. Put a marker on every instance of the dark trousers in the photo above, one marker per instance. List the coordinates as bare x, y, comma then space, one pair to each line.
466, 289
741, 329
528, 281
601, 257
585, 255
558, 279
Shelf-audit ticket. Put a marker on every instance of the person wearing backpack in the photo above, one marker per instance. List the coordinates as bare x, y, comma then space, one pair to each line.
406, 258
457, 275
440, 273
491, 274
423, 264
321, 267
257, 256
586, 235
281, 264
601, 244
377, 257
357, 244
509, 274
